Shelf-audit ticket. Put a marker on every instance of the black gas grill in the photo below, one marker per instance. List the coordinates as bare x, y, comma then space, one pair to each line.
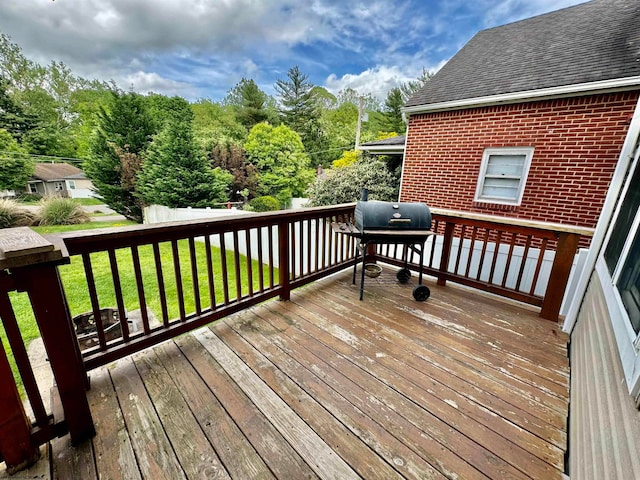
378, 222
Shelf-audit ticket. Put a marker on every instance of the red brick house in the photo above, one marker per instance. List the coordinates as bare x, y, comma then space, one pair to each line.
528, 120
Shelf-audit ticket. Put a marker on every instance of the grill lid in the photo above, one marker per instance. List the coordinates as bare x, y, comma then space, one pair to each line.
377, 215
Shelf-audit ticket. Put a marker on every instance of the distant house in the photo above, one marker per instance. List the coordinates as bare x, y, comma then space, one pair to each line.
540, 119
527, 119
388, 146
59, 179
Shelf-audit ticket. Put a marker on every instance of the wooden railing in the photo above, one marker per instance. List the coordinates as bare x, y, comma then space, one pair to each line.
527, 261
144, 284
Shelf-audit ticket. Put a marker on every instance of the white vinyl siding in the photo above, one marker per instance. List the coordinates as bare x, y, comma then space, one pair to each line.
503, 174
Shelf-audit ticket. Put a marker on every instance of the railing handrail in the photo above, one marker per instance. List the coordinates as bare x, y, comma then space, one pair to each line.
89, 241
534, 225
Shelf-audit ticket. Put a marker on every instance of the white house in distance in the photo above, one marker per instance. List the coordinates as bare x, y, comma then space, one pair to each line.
60, 179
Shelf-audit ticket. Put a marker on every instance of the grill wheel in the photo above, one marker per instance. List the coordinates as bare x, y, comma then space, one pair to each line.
421, 293
403, 275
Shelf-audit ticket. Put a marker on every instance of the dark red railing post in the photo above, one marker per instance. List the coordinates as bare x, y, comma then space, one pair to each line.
16, 446
560, 271
32, 264
42, 284
446, 252
284, 248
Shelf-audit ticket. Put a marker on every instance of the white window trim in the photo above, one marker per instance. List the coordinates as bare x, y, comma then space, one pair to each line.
627, 339
526, 151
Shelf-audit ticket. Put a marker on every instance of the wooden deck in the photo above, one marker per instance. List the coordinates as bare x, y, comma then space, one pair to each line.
326, 386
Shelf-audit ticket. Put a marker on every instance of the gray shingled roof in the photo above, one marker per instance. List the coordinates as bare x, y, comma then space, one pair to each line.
391, 141
50, 172
590, 42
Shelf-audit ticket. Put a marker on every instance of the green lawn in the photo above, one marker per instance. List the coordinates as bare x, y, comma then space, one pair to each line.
43, 230
75, 285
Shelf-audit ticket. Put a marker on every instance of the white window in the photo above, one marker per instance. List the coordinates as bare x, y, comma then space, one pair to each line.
71, 184
503, 174
33, 188
619, 271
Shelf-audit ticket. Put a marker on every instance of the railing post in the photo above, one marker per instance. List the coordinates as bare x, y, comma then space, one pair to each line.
33, 261
560, 270
446, 251
283, 260
15, 434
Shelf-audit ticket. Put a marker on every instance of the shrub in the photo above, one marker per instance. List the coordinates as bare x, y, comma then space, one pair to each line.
13, 215
61, 211
264, 204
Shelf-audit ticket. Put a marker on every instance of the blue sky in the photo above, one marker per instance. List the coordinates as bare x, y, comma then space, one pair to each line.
202, 48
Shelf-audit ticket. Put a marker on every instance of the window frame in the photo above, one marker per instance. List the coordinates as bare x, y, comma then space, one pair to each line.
482, 175
627, 339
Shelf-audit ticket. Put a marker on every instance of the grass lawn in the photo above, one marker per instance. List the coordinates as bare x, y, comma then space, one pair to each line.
75, 285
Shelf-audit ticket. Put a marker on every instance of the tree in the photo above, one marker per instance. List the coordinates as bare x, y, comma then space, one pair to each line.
174, 174
412, 86
279, 156
231, 158
13, 118
251, 104
344, 185
124, 132
215, 124
15, 167
393, 121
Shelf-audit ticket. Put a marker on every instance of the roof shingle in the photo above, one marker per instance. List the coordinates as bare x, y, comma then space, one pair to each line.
50, 172
590, 42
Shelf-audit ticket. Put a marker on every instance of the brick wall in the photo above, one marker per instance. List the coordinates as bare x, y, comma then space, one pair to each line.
577, 142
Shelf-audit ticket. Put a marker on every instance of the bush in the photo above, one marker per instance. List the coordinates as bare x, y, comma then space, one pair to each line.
13, 215
29, 197
345, 184
61, 211
264, 204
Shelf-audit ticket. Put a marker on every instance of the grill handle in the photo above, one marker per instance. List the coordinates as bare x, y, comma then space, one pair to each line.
393, 221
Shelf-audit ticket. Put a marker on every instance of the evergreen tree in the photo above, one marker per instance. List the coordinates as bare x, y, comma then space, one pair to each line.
174, 174
15, 166
13, 118
124, 133
251, 104
393, 121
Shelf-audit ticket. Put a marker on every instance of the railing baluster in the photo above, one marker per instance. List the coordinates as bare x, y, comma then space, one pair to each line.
472, 247
95, 304
236, 264
117, 287
271, 267
175, 253
525, 254
496, 251
140, 285
507, 266
249, 257
210, 273
260, 261
484, 251
460, 249
194, 276
161, 290
543, 249
21, 357
224, 271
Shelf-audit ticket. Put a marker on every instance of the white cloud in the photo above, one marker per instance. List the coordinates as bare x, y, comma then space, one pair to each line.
377, 81
146, 82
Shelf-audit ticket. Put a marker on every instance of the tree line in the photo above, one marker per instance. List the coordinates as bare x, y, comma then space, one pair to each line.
144, 149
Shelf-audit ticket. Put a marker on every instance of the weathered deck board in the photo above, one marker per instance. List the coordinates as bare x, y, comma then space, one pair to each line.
326, 386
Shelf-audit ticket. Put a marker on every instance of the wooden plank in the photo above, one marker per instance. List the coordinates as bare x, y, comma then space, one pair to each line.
22, 241
460, 379
113, 451
193, 450
396, 453
456, 410
154, 453
236, 452
456, 452
69, 461
320, 457
403, 329
360, 457
280, 457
